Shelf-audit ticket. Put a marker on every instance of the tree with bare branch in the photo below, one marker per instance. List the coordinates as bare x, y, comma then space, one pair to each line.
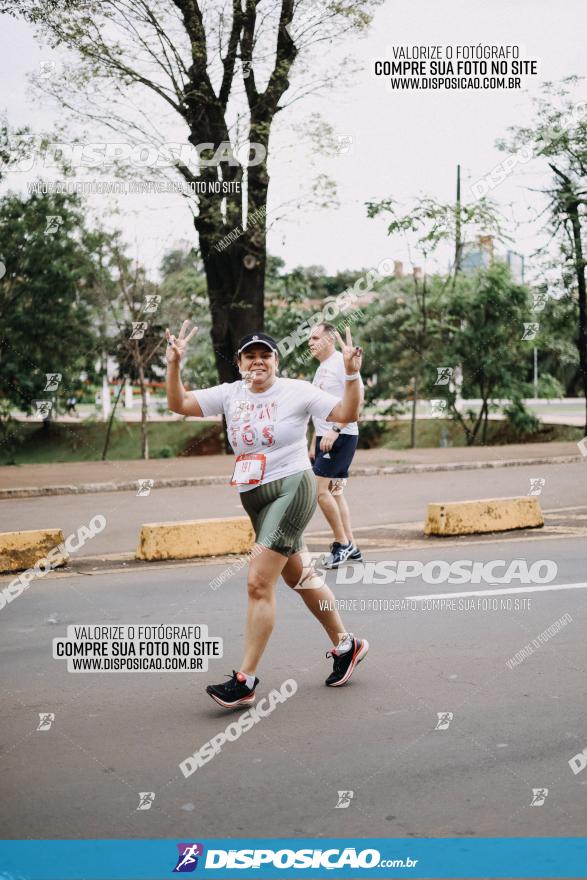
213, 75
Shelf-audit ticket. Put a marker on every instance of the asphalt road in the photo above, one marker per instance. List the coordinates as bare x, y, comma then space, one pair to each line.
374, 501
115, 735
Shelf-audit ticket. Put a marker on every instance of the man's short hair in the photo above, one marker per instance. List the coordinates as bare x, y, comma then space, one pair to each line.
328, 328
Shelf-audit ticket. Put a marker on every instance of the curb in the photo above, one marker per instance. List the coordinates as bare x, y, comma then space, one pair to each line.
195, 538
483, 516
124, 486
179, 482
24, 549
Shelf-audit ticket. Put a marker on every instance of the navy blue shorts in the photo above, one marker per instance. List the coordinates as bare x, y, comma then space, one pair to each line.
336, 463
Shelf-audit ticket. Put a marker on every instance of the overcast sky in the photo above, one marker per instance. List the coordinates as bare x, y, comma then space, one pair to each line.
404, 144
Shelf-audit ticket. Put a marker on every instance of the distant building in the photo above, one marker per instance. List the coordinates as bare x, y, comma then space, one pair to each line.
516, 263
480, 255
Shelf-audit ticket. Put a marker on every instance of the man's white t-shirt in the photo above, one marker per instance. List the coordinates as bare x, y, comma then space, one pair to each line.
272, 422
330, 377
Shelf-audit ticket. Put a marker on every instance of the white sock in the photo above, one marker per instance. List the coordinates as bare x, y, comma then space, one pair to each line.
250, 680
344, 645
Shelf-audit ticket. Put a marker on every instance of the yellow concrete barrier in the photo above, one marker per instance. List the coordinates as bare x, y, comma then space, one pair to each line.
489, 515
22, 550
197, 537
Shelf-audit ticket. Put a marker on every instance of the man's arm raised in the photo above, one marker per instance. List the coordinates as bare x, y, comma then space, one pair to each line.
347, 409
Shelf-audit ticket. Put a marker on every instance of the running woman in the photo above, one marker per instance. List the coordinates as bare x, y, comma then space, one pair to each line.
333, 448
267, 417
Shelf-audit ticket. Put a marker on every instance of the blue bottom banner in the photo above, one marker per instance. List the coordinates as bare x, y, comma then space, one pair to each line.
382, 858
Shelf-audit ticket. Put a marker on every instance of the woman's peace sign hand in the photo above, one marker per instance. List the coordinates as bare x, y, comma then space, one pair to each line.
176, 346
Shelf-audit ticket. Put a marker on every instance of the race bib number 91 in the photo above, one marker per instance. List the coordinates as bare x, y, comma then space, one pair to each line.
248, 470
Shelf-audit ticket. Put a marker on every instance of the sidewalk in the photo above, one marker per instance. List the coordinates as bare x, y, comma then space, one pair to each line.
110, 476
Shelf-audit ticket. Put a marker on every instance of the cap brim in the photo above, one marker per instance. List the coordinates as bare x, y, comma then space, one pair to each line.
257, 342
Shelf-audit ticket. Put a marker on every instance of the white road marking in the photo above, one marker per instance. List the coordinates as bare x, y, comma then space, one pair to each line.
533, 589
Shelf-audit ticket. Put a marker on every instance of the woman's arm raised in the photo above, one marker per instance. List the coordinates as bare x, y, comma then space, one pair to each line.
178, 400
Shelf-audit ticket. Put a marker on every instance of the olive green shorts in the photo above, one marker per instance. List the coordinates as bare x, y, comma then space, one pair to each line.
281, 510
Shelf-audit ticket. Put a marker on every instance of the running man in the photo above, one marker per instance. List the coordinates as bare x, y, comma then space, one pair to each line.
332, 448
267, 417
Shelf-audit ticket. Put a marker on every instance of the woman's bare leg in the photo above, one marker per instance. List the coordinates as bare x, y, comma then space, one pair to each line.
264, 570
315, 592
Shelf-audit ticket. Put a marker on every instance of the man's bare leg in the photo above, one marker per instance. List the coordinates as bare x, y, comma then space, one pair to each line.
345, 515
331, 510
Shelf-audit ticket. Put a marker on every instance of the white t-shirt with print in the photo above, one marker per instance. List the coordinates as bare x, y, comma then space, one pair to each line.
272, 422
330, 377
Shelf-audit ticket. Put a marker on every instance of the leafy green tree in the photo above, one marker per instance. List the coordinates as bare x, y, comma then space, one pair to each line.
184, 294
488, 319
402, 331
293, 299
138, 352
560, 360
313, 283
473, 326
47, 325
558, 136
430, 223
221, 73
132, 331
12, 145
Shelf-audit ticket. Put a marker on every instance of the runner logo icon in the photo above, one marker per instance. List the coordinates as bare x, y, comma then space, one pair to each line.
539, 795
188, 857
444, 719
344, 799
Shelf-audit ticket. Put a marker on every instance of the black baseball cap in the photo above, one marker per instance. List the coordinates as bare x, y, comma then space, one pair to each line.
256, 339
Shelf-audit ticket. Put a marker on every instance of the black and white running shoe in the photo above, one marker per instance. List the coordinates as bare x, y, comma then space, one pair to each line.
233, 693
339, 554
355, 556
345, 662
327, 558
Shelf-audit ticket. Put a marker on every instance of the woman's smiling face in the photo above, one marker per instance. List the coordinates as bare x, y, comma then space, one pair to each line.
261, 363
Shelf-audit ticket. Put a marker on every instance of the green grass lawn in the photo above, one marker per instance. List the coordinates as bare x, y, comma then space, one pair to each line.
429, 433
34, 444
85, 441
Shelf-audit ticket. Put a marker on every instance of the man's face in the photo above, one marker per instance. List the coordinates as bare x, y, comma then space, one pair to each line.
320, 342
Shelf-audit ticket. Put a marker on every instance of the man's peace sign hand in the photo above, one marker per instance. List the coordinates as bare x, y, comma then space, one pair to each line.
352, 354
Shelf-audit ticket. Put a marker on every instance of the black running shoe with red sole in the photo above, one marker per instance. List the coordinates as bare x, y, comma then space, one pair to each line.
346, 663
234, 693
